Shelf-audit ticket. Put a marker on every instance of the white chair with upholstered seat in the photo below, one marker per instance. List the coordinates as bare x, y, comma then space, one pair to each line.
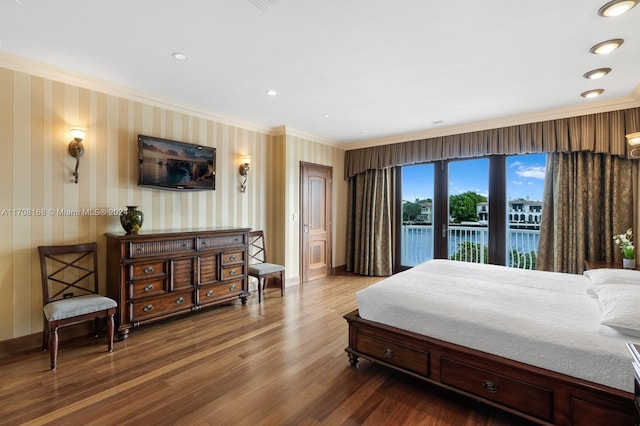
70, 293
259, 268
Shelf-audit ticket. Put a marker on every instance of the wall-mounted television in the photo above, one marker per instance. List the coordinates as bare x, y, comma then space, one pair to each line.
174, 165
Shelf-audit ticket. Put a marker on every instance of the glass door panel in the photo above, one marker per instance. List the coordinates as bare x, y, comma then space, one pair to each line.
417, 214
525, 184
468, 195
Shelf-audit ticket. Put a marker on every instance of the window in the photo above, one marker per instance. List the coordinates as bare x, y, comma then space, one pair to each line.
417, 214
468, 221
484, 210
525, 185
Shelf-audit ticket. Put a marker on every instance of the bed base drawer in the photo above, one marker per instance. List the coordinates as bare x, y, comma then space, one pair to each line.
525, 397
534, 393
393, 353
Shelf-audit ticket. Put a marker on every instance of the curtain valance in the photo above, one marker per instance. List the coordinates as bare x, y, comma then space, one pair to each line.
599, 133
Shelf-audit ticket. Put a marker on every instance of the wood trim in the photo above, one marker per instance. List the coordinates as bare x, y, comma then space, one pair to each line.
33, 342
327, 171
339, 270
602, 401
441, 210
497, 209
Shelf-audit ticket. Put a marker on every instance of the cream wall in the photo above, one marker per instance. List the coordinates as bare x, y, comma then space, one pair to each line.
298, 149
36, 115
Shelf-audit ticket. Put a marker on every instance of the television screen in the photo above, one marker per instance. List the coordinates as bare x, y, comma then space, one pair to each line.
173, 165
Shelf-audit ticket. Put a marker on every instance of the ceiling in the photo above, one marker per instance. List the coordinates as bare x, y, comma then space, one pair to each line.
348, 71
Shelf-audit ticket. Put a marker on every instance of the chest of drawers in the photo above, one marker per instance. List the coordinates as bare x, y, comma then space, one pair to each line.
154, 276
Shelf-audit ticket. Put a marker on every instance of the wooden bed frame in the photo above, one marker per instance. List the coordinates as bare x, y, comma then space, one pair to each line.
534, 393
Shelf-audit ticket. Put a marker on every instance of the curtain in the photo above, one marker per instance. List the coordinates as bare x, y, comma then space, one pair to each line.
588, 198
601, 133
369, 239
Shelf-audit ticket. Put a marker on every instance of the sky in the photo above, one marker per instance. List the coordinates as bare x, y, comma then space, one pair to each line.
525, 178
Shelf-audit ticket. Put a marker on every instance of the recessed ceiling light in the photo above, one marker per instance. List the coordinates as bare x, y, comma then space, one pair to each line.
326, 115
606, 46
616, 8
179, 56
364, 130
592, 93
271, 92
596, 74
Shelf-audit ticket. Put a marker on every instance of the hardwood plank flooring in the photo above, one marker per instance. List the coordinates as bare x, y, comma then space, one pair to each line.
281, 362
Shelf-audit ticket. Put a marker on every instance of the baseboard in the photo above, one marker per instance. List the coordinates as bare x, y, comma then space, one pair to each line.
33, 342
339, 270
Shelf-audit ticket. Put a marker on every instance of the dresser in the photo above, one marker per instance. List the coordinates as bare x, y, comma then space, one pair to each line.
154, 276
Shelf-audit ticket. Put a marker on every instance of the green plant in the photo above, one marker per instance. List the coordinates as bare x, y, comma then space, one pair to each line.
524, 260
625, 241
471, 252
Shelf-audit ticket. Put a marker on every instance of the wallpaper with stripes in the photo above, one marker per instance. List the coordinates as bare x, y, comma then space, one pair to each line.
41, 204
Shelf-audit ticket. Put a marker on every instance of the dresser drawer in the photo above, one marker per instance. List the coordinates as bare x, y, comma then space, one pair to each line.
232, 272
204, 243
147, 270
232, 257
146, 288
150, 248
215, 292
162, 305
402, 356
526, 397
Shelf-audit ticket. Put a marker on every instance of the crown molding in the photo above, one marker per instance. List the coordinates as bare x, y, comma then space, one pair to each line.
288, 131
66, 76
632, 101
63, 75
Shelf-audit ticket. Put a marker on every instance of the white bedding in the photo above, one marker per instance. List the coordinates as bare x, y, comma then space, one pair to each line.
544, 319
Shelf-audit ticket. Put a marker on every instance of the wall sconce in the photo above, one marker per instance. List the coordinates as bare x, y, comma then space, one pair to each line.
633, 139
76, 149
244, 171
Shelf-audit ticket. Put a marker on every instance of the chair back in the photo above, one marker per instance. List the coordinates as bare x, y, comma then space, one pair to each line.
257, 248
68, 271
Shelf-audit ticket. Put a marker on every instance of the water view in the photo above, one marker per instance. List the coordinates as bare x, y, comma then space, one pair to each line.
417, 244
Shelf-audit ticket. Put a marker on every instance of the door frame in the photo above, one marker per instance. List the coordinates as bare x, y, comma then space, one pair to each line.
328, 212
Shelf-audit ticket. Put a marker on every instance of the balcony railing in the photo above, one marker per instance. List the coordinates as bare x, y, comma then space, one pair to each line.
469, 244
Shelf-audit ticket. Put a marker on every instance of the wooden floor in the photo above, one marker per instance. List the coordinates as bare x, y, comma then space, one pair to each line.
281, 362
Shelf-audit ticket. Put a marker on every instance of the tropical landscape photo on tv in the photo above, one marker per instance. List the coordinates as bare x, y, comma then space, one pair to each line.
173, 165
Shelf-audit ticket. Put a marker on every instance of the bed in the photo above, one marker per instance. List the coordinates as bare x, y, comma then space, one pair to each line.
550, 347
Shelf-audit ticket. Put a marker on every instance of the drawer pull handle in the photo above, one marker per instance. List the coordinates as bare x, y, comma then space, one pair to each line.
148, 287
233, 257
179, 300
147, 308
233, 287
388, 353
210, 293
233, 272
148, 269
489, 386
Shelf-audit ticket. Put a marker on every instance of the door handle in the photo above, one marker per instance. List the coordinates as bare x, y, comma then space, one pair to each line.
444, 231
305, 228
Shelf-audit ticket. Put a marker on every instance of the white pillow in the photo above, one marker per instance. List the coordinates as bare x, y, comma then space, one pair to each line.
611, 276
620, 307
